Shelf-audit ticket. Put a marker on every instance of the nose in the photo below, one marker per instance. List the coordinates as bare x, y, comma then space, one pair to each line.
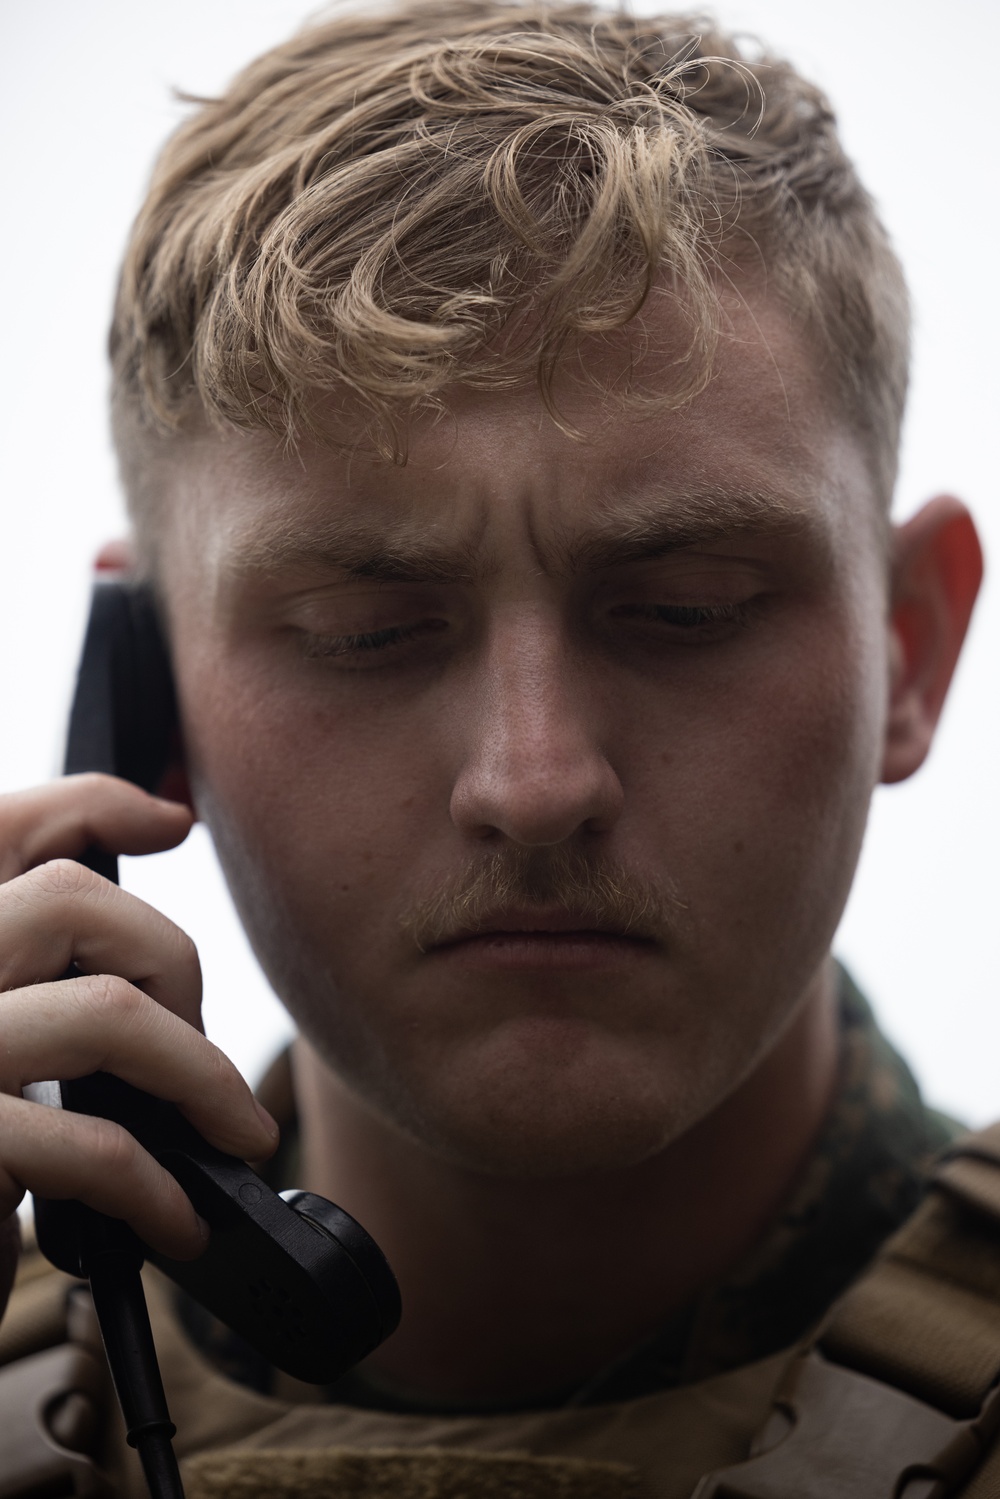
533, 766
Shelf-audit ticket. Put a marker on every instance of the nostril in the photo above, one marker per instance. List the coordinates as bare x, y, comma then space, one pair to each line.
537, 805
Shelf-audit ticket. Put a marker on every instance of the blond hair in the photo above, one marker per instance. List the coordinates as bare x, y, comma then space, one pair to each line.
442, 191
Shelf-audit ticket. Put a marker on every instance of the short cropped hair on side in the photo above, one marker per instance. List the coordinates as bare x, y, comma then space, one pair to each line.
437, 192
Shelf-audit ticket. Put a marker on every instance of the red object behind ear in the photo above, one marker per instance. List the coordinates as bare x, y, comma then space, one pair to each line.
115, 557
174, 785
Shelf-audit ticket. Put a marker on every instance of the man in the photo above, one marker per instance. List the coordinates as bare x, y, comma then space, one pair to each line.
508, 402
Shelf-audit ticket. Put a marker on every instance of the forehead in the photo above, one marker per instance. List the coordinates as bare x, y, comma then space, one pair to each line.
765, 448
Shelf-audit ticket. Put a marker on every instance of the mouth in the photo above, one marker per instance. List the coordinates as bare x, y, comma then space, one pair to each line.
532, 939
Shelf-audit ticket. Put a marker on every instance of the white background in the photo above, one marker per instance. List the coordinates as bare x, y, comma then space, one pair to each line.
85, 98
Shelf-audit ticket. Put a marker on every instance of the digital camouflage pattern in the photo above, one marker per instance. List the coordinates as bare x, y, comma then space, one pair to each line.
864, 1177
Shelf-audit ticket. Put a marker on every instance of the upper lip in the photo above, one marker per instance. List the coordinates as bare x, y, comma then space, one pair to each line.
536, 922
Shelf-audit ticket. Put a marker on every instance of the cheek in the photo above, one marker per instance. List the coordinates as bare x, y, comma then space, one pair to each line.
808, 737
769, 796
317, 814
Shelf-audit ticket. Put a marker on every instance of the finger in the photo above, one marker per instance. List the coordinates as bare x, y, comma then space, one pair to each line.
62, 913
61, 820
103, 1024
10, 1246
62, 1155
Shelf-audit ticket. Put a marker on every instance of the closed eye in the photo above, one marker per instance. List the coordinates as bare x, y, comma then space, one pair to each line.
369, 642
705, 619
690, 615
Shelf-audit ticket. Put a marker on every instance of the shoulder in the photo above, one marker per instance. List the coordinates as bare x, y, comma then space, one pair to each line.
53, 1384
903, 1374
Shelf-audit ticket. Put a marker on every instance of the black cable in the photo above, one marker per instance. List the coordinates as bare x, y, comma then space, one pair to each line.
113, 1262
159, 1464
81, 1241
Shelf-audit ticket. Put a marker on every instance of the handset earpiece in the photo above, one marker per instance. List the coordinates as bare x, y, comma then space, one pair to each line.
294, 1275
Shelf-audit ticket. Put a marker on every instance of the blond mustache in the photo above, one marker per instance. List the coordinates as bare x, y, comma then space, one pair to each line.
600, 892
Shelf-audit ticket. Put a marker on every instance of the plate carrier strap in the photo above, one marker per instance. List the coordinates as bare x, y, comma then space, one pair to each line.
897, 1396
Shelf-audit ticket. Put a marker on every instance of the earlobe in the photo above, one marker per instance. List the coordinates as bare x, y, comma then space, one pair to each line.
937, 570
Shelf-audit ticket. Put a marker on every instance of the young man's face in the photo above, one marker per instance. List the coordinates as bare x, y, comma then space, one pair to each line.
539, 769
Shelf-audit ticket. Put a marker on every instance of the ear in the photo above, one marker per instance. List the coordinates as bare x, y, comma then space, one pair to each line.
936, 572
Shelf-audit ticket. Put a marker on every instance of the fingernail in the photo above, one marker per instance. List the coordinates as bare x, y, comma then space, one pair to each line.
203, 1227
266, 1120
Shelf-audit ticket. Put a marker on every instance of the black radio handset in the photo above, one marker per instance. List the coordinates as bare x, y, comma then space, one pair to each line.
293, 1274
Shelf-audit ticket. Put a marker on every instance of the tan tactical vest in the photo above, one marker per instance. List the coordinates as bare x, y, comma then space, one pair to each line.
895, 1396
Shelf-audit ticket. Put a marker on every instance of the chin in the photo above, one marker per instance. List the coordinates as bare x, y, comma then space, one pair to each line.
543, 1151
519, 1117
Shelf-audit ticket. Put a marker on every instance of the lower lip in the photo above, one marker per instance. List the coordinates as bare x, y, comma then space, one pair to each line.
551, 950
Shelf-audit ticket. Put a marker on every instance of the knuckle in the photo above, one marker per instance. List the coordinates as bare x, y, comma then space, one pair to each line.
93, 782
112, 1152
62, 877
44, 885
25, 814
223, 1074
112, 997
186, 955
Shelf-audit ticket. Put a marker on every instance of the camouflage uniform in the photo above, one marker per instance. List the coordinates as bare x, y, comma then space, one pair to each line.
695, 1397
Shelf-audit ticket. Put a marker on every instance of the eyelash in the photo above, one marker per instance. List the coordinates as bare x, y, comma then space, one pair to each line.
370, 641
689, 616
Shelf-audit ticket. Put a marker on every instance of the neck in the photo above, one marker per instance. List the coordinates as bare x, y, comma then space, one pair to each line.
502, 1276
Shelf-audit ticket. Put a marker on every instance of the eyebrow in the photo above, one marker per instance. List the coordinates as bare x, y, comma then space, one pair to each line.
641, 525
646, 524
360, 550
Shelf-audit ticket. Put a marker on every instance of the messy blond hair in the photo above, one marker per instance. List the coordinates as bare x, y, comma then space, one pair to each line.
442, 191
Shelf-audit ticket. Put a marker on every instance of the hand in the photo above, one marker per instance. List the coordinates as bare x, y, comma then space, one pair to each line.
134, 1012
